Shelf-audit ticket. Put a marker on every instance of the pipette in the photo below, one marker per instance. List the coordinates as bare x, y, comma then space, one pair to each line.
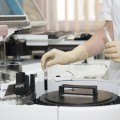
107, 33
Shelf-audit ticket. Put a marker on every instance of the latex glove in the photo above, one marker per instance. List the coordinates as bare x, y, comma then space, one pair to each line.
60, 57
112, 50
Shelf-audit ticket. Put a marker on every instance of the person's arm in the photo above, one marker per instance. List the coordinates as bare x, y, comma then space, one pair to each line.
90, 48
97, 43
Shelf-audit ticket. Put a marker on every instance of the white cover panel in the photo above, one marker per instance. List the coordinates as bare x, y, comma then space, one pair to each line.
32, 112
90, 113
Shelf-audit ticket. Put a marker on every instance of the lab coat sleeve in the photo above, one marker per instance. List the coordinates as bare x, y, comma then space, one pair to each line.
106, 11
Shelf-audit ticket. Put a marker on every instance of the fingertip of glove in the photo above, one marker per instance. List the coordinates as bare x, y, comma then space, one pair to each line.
110, 44
42, 64
50, 63
42, 67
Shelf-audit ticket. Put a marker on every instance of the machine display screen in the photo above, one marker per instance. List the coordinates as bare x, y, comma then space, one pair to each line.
23, 7
11, 7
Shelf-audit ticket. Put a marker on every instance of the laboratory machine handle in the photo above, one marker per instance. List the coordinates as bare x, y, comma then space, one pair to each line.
93, 88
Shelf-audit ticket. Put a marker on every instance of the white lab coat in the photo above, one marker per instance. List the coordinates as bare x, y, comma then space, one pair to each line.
111, 11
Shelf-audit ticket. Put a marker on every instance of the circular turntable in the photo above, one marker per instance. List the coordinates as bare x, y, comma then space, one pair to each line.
77, 95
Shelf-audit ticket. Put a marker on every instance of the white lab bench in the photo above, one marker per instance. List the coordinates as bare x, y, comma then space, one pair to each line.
38, 42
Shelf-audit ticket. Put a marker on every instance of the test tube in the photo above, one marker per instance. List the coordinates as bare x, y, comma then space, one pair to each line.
45, 80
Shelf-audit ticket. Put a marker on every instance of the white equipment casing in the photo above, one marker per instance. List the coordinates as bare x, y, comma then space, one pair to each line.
46, 112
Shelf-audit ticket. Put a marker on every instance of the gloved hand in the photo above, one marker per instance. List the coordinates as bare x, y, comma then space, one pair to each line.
112, 50
60, 57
